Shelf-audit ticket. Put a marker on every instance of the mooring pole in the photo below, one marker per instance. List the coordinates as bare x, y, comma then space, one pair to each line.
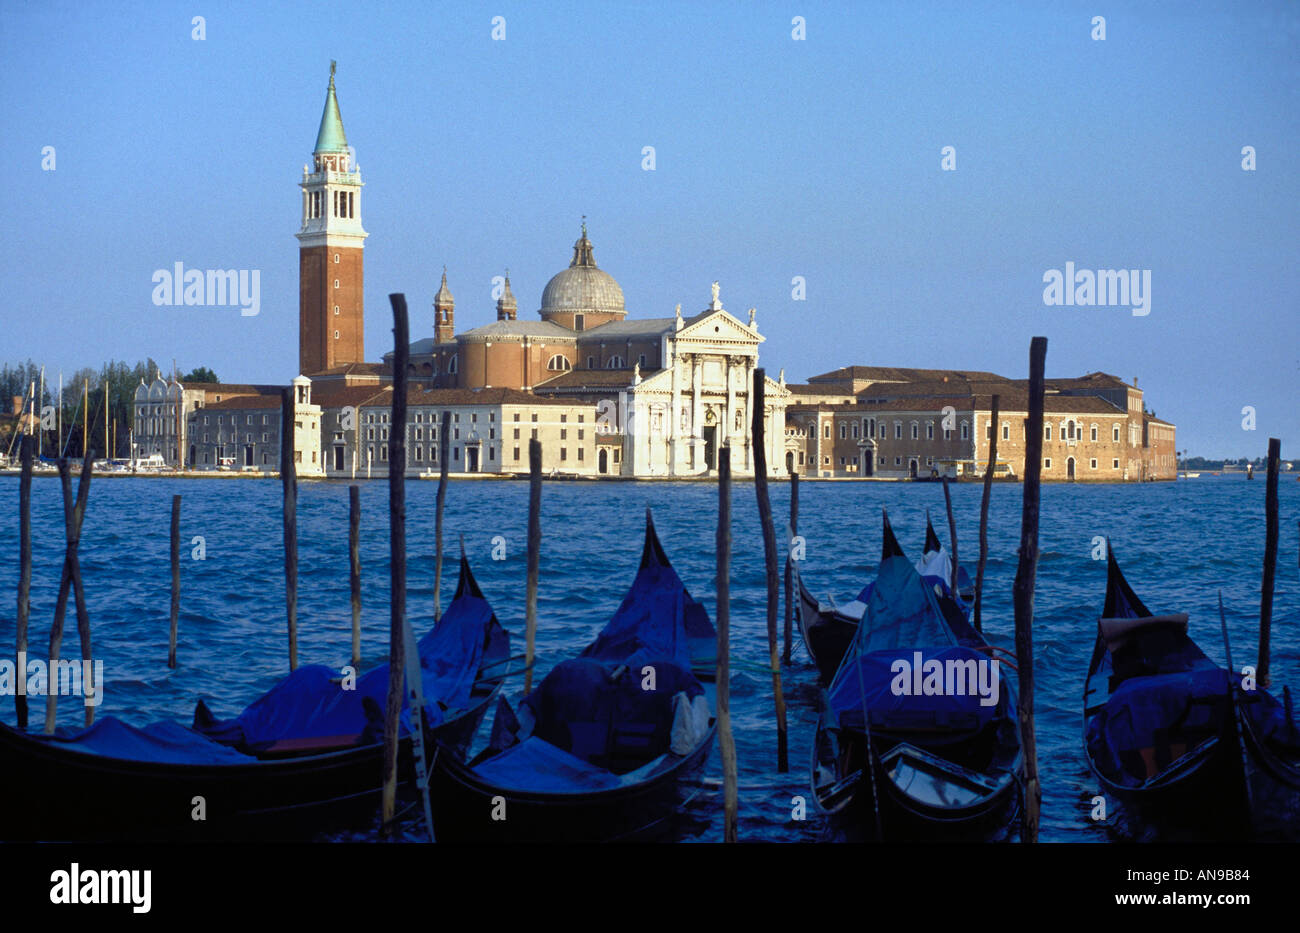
789, 573
1270, 559
984, 515
1023, 590
441, 500
176, 581
354, 570
534, 558
726, 742
397, 559
759, 432
24, 575
289, 486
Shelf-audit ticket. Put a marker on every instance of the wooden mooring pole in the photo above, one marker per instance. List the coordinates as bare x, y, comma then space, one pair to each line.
24, 575
397, 559
1026, 573
354, 570
441, 500
984, 514
789, 573
176, 581
534, 558
952, 536
726, 742
289, 484
73, 514
1270, 560
759, 435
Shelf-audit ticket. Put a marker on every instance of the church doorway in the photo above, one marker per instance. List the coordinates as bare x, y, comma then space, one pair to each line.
711, 447
602, 461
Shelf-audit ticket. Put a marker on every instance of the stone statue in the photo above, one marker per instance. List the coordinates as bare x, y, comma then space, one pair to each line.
636, 373
752, 312
715, 294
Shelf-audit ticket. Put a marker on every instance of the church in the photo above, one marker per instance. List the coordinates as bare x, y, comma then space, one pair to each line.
662, 395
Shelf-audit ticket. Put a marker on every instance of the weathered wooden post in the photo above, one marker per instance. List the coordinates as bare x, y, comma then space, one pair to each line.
984, 514
1026, 573
176, 580
24, 576
443, 450
354, 570
289, 483
789, 573
726, 742
70, 579
397, 559
758, 430
534, 557
1270, 560
952, 534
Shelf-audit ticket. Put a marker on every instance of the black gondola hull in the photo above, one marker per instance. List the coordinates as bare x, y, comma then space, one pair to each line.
468, 809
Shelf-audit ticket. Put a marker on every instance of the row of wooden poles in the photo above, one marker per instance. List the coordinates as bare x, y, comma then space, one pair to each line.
1023, 588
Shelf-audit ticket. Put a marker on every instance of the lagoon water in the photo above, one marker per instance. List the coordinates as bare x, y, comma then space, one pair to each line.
1179, 543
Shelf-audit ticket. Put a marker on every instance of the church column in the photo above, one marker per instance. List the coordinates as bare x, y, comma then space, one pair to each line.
697, 417
730, 433
675, 415
749, 414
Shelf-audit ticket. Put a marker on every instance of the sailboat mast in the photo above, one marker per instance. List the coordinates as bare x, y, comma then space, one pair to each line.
60, 413
40, 430
85, 418
106, 444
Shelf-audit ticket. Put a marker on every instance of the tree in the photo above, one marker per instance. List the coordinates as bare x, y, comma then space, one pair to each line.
201, 374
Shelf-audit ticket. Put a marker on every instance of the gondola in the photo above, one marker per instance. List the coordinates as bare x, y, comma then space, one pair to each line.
901, 755
597, 752
828, 628
303, 759
1171, 736
937, 562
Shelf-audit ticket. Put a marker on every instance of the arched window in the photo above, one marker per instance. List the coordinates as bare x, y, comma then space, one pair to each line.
615, 362
559, 363
451, 364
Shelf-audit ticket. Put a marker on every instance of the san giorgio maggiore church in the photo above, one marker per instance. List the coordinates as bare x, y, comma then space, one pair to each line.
605, 394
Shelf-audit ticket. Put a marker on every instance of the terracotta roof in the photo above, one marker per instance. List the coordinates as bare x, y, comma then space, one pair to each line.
244, 403
351, 369
591, 378
418, 395
899, 374
343, 396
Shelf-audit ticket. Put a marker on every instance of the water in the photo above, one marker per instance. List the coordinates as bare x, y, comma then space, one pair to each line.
1179, 543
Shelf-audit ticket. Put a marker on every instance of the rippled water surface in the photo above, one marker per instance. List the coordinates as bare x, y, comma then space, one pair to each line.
1180, 543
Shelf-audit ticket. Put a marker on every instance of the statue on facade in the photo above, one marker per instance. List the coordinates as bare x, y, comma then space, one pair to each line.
752, 312
715, 294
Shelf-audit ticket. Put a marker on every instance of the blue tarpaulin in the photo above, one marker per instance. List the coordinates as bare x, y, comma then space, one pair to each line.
895, 696
311, 702
161, 742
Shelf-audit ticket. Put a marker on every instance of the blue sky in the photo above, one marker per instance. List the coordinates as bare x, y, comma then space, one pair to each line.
775, 158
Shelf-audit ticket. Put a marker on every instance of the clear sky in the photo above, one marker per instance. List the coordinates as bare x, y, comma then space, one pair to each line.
774, 158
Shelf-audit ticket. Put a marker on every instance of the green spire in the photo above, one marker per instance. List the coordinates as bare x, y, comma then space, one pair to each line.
331, 138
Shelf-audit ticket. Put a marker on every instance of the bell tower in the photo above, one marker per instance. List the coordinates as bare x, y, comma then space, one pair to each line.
331, 315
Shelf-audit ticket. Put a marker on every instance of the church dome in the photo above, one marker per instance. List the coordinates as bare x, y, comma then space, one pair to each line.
583, 288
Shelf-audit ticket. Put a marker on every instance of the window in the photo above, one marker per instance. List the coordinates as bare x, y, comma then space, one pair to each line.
965, 431
855, 429
1114, 464
564, 453
1047, 463
451, 365
558, 363
579, 453
336, 335
1047, 432
579, 321
383, 453
841, 461
455, 453
492, 453
929, 461
516, 449
336, 310
336, 258
844, 431
1006, 432
1092, 464
642, 359
929, 431
564, 434
826, 431
898, 461
336, 283
882, 430
614, 362
591, 362
419, 452
916, 431
1115, 436
1094, 433
516, 434
898, 430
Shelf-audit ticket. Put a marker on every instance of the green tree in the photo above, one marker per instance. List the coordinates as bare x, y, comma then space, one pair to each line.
202, 374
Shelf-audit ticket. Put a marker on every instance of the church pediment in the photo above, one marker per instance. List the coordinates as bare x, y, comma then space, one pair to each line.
717, 327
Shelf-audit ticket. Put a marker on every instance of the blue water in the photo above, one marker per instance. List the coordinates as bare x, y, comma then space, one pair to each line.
1180, 543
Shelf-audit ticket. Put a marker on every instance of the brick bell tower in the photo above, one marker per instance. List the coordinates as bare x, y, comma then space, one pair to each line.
330, 308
